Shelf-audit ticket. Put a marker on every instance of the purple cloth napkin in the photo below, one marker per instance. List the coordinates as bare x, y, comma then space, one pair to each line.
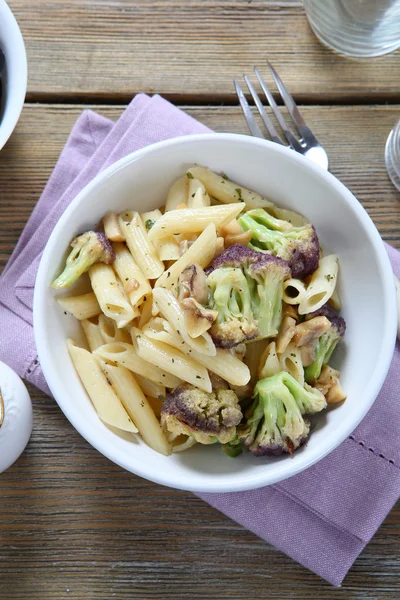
323, 517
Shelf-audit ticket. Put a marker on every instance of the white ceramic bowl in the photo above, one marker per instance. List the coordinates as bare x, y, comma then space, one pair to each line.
15, 76
141, 181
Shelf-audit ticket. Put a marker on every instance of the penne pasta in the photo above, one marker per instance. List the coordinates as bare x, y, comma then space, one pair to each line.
138, 408
172, 360
110, 332
169, 306
194, 220
112, 228
111, 298
254, 350
168, 249
201, 252
81, 307
124, 354
145, 311
150, 388
135, 284
294, 291
93, 334
224, 364
150, 217
227, 191
197, 195
334, 300
269, 363
137, 240
178, 194
103, 397
321, 286
290, 361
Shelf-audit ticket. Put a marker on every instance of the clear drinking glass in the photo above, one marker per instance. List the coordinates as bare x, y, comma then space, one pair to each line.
357, 28
392, 155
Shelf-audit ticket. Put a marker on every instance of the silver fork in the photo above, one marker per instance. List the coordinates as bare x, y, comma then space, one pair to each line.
306, 144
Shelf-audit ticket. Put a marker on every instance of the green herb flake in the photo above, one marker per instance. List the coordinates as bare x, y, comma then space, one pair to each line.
224, 176
239, 193
189, 175
149, 223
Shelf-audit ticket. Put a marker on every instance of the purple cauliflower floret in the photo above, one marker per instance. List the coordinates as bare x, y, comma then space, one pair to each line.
327, 341
207, 417
274, 423
299, 246
246, 288
87, 249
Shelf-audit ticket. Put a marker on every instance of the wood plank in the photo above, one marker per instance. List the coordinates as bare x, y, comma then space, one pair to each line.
73, 525
83, 50
353, 136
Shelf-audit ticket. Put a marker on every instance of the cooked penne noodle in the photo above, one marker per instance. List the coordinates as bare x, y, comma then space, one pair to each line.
137, 239
110, 332
111, 298
167, 249
334, 300
224, 364
112, 228
290, 361
178, 194
156, 405
197, 195
124, 354
201, 252
135, 284
81, 307
227, 191
172, 360
194, 220
150, 217
321, 286
93, 334
138, 407
269, 363
169, 306
103, 397
145, 311
254, 350
284, 214
150, 388
294, 291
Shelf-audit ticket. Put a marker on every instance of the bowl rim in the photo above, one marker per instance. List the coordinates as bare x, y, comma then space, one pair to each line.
8, 124
382, 364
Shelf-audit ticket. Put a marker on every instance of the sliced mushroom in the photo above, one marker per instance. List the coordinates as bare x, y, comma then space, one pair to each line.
289, 310
198, 319
193, 284
307, 335
329, 384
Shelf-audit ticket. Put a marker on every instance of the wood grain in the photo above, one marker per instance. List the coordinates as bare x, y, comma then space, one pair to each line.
86, 50
73, 526
353, 136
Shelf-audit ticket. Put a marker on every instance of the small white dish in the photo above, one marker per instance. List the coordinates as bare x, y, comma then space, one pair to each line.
140, 181
17, 424
15, 75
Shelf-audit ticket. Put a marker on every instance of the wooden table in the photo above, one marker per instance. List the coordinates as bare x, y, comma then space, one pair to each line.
73, 525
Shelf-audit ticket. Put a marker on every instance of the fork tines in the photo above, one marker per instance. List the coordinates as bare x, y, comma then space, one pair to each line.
290, 105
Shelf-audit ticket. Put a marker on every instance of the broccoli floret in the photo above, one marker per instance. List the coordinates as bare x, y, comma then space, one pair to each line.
207, 417
326, 343
89, 248
299, 246
230, 297
274, 421
233, 448
246, 287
